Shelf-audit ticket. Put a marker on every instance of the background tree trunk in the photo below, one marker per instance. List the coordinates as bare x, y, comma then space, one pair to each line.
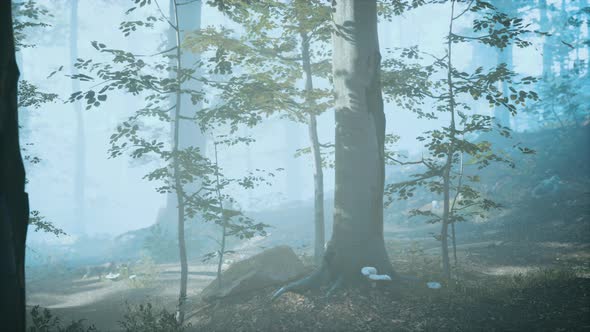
80, 141
357, 238
502, 115
186, 134
544, 24
584, 4
14, 204
189, 135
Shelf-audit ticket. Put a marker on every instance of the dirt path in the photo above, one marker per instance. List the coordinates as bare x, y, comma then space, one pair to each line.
103, 302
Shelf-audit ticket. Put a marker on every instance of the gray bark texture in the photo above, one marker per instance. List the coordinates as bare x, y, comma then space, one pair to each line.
80, 141
357, 237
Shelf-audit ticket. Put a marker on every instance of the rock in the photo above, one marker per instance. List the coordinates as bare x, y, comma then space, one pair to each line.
271, 267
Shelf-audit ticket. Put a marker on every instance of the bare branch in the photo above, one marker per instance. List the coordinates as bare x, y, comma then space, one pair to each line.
464, 11
165, 17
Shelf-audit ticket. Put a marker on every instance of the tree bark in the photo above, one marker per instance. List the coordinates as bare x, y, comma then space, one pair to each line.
80, 166
357, 238
357, 234
318, 176
14, 204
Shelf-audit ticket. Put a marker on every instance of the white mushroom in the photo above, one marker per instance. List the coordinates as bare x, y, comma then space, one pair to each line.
379, 277
112, 276
371, 274
368, 270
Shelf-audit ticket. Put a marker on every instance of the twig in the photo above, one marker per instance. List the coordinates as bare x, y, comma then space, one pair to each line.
165, 17
464, 11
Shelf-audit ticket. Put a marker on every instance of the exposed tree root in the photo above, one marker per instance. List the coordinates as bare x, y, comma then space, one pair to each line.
337, 285
322, 276
336, 273
313, 281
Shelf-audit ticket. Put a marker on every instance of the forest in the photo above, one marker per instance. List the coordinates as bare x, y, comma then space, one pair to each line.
294, 165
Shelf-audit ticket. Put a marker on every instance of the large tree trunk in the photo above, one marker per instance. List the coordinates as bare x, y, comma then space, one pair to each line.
80, 167
357, 233
318, 176
14, 203
357, 238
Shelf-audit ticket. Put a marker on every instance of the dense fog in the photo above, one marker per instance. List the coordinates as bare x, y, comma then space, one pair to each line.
141, 118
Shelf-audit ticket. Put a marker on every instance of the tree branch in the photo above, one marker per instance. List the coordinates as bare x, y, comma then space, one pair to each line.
165, 17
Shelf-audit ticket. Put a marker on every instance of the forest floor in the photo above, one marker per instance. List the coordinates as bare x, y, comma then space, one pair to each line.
499, 285
512, 286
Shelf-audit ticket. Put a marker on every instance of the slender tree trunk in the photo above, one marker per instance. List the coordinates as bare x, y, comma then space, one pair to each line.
179, 187
180, 213
186, 17
452, 211
80, 167
224, 217
584, 6
249, 168
548, 57
444, 233
501, 115
547, 48
318, 176
450, 154
190, 135
357, 238
564, 53
14, 202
